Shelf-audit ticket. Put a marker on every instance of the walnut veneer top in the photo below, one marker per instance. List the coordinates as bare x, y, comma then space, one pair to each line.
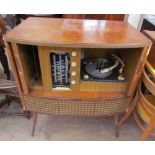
76, 32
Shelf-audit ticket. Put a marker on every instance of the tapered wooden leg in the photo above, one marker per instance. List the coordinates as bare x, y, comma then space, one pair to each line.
35, 114
148, 128
116, 125
130, 109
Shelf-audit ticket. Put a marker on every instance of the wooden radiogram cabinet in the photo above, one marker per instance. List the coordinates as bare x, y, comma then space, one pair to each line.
53, 61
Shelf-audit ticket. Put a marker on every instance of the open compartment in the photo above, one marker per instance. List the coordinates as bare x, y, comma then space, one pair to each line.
108, 69
31, 66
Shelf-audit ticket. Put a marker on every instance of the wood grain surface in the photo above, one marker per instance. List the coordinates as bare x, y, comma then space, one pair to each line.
77, 33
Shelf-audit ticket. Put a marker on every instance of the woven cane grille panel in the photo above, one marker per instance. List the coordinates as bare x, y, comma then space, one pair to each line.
80, 108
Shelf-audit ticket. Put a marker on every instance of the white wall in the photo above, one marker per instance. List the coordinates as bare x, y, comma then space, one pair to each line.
135, 20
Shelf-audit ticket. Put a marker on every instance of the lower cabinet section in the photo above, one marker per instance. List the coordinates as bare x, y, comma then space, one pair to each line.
81, 107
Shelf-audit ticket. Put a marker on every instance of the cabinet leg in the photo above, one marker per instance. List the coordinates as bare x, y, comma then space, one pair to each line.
127, 114
116, 125
130, 110
34, 122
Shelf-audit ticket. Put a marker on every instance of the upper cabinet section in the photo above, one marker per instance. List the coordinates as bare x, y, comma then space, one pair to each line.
76, 33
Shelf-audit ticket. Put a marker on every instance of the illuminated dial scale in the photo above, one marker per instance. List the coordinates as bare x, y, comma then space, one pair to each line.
60, 69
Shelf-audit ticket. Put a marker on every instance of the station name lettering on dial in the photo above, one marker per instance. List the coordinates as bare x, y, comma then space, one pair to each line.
60, 69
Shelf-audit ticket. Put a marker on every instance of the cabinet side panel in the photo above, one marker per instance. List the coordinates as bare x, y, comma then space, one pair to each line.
138, 70
14, 69
20, 67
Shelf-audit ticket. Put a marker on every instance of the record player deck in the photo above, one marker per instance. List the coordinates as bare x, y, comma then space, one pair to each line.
109, 68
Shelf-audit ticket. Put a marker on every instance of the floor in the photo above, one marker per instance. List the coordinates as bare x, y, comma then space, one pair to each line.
64, 128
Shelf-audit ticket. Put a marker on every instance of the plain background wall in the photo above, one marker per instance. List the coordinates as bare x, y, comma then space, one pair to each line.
135, 20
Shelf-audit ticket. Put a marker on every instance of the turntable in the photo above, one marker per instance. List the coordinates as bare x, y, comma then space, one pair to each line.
109, 68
